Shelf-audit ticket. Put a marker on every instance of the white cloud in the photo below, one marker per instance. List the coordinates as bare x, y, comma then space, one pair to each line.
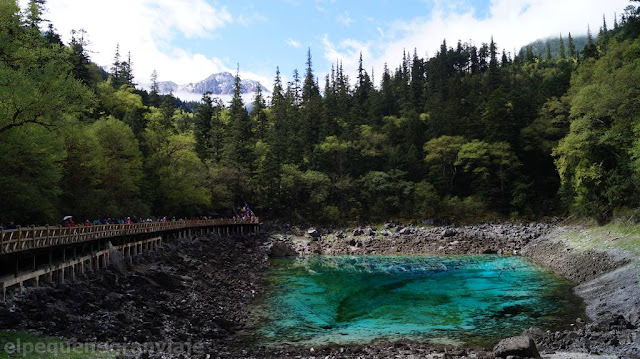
513, 23
346, 52
145, 28
345, 19
251, 19
293, 43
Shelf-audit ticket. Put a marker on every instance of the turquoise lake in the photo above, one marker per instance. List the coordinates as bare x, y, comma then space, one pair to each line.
471, 300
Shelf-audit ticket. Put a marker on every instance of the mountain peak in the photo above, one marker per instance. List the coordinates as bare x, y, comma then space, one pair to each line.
221, 83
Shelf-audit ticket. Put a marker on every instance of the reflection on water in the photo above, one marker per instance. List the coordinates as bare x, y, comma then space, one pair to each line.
456, 299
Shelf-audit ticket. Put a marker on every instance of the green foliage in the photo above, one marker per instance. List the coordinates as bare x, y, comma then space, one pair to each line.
384, 194
595, 159
85, 169
123, 177
178, 179
464, 134
29, 183
441, 156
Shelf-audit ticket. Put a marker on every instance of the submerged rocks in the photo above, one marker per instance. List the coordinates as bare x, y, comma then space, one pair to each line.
522, 346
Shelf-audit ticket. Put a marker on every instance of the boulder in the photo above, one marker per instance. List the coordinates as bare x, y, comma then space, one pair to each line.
405, 231
370, 231
313, 233
282, 249
522, 346
116, 259
358, 232
449, 232
340, 234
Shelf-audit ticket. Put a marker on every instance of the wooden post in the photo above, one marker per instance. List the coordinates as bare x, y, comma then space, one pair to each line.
19, 230
33, 236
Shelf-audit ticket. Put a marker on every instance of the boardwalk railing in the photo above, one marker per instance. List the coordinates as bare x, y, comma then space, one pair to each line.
27, 238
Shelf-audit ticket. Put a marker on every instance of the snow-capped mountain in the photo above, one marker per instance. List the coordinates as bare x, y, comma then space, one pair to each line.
167, 86
218, 84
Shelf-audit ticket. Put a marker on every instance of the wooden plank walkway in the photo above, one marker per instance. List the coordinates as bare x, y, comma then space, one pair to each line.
29, 238
92, 262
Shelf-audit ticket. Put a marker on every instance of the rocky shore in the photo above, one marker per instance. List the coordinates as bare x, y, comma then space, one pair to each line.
200, 291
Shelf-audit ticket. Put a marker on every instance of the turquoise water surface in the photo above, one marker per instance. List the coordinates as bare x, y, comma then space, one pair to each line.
473, 300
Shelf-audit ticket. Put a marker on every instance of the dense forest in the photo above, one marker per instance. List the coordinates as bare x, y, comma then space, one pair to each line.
469, 134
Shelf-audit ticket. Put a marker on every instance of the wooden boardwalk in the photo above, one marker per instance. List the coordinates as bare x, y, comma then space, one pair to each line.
30, 238
92, 262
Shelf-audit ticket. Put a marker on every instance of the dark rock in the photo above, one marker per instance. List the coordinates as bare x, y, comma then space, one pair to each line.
282, 249
449, 232
116, 259
405, 231
522, 346
313, 233
358, 232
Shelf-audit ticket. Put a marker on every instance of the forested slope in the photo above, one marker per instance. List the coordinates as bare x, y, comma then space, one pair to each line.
470, 133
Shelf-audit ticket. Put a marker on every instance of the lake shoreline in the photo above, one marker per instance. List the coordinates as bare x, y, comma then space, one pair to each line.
201, 290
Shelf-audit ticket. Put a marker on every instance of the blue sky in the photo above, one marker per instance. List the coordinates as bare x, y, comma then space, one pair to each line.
187, 40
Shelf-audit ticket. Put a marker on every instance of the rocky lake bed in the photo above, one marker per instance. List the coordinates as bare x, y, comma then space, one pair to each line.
200, 292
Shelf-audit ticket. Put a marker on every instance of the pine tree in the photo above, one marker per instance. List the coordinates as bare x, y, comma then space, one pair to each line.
116, 67
258, 116
202, 125
418, 80
530, 57
154, 95
561, 53
238, 150
363, 88
52, 37
310, 110
124, 72
494, 71
547, 51
590, 49
278, 134
475, 62
34, 14
571, 47
80, 59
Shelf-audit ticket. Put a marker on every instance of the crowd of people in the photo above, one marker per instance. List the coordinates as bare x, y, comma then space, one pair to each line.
243, 213
68, 221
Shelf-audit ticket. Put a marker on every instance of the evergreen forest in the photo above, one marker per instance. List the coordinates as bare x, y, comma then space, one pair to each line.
471, 133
